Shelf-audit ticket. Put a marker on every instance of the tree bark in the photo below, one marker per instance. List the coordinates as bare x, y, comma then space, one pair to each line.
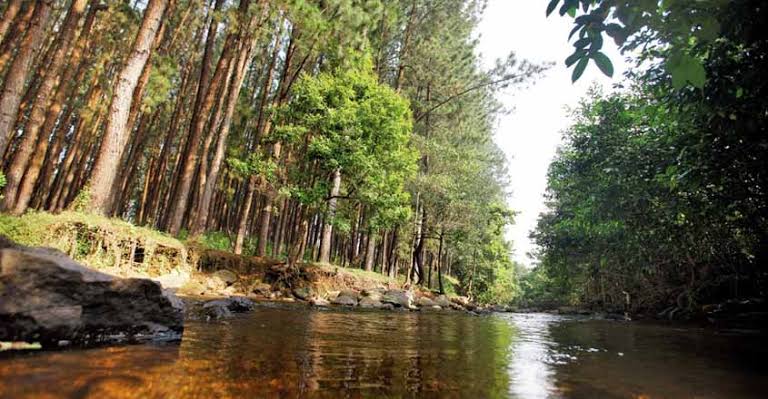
15, 79
370, 250
13, 8
37, 117
325, 243
213, 174
116, 134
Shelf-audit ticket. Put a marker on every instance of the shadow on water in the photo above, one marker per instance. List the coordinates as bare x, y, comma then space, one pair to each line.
286, 353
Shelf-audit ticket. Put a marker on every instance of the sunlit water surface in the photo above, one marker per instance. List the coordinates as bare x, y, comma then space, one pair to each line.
297, 352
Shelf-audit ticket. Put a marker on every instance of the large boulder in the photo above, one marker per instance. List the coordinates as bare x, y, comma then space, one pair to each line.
398, 298
47, 297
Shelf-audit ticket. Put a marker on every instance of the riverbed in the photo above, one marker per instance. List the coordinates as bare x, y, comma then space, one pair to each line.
287, 352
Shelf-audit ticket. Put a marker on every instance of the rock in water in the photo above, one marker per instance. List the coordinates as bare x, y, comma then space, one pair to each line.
344, 300
425, 302
398, 298
47, 297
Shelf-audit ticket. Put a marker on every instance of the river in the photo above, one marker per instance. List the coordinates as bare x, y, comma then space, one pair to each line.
297, 352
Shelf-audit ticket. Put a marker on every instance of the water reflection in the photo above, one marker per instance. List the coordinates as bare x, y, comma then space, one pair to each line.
530, 366
287, 353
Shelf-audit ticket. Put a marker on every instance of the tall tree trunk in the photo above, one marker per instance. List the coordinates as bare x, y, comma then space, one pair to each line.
75, 73
440, 262
15, 79
116, 134
37, 118
18, 28
11, 10
370, 250
189, 158
243, 224
325, 243
213, 174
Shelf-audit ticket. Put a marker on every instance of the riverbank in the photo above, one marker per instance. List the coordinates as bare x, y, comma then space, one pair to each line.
62, 254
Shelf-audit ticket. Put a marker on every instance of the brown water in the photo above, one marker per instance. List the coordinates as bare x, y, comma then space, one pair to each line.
297, 352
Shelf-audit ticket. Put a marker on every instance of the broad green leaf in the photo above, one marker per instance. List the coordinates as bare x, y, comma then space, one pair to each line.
579, 69
603, 62
551, 7
574, 57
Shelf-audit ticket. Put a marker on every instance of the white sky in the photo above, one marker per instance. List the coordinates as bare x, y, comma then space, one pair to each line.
530, 135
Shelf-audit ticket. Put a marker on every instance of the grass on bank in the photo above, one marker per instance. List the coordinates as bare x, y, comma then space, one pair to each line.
109, 244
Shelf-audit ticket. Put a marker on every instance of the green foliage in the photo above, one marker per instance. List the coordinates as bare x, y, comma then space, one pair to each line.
664, 29
360, 127
659, 193
82, 200
218, 240
3, 182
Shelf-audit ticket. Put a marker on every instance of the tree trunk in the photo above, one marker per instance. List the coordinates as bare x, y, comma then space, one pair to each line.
243, 225
21, 157
241, 65
116, 134
440, 262
178, 206
13, 8
370, 250
75, 73
15, 79
325, 243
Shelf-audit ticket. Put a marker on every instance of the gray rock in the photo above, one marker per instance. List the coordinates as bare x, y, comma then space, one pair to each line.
425, 302
303, 293
370, 303
319, 302
443, 301
344, 300
398, 298
263, 289
47, 297
221, 279
233, 304
350, 293
373, 294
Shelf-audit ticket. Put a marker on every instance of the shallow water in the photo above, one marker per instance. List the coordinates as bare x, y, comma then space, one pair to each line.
297, 352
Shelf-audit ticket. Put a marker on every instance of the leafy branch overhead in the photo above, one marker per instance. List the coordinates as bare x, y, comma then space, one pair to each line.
672, 30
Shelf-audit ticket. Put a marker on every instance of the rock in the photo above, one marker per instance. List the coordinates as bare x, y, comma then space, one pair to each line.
303, 293
350, 293
319, 302
223, 308
221, 279
344, 300
443, 301
398, 298
173, 280
370, 303
425, 302
461, 300
261, 288
216, 312
47, 297
373, 294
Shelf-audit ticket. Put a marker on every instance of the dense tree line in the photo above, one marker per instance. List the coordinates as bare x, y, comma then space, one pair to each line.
353, 132
658, 196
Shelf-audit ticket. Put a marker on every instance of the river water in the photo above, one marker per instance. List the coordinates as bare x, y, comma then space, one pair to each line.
276, 352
